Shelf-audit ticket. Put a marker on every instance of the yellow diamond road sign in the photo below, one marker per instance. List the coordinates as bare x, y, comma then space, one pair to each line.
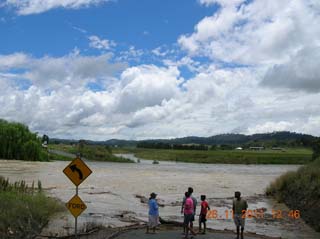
77, 171
76, 206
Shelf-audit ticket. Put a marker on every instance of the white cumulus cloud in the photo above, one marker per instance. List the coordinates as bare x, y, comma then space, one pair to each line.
258, 32
300, 72
252, 67
147, 85
27, 7
146, 100
102, 44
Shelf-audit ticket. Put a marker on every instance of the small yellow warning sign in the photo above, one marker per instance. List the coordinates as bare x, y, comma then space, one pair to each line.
77, 171
76, 206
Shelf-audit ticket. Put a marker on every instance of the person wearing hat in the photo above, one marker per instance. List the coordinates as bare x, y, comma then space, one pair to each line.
153, 213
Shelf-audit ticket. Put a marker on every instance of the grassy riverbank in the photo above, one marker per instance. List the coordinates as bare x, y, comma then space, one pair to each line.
289, 156
24, 210
90, 152
300, 190
57, 157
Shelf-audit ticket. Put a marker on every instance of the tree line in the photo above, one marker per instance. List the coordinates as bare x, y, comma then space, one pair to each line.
160, 145
17, 142
313, 143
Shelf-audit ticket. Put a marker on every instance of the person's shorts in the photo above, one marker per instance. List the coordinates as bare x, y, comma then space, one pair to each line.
188, 219
202, 218
153, 220
238, 220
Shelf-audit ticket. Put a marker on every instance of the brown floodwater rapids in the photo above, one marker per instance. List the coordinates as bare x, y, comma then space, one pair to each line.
115, 193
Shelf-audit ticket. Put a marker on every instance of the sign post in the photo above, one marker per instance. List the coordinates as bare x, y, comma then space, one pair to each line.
77, 171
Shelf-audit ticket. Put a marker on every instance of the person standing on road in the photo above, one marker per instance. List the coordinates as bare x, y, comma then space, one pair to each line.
190, 191
182, 211
153, 213
194, 200
239, 208
188, 215
203, 213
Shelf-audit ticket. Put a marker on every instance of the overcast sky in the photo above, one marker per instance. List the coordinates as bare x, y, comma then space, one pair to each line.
136, 69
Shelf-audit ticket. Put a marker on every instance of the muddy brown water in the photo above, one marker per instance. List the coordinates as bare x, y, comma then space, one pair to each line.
115, 193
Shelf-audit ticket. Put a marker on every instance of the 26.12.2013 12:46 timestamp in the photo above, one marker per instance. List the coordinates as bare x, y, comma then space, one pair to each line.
256, 213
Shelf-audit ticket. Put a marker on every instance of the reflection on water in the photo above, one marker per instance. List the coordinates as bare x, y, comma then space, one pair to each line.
112, 192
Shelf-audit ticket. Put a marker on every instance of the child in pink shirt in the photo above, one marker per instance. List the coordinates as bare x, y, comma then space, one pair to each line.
188, 214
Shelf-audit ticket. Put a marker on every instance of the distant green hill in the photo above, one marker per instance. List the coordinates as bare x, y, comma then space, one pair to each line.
111, 142
277, 138
282, 138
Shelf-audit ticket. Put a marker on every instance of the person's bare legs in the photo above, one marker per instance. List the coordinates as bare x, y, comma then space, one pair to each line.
238, 230
184, 230
191, 228
204, 227
184, 226
192, 231
187, 231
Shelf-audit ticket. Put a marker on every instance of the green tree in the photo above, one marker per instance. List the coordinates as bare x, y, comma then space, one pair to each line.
31, 151
15, 142
316, 149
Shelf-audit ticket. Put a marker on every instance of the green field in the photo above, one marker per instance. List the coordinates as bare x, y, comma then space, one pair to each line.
288, 156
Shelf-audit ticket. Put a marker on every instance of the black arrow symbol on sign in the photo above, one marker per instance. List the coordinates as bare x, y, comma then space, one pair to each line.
74, 168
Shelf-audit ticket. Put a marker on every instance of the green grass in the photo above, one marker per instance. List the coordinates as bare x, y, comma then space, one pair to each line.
24, 210
62, 147
90, 152
300, 190
56, 157
45, 157
289, 156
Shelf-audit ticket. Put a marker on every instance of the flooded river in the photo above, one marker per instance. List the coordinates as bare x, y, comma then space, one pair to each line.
115, 193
